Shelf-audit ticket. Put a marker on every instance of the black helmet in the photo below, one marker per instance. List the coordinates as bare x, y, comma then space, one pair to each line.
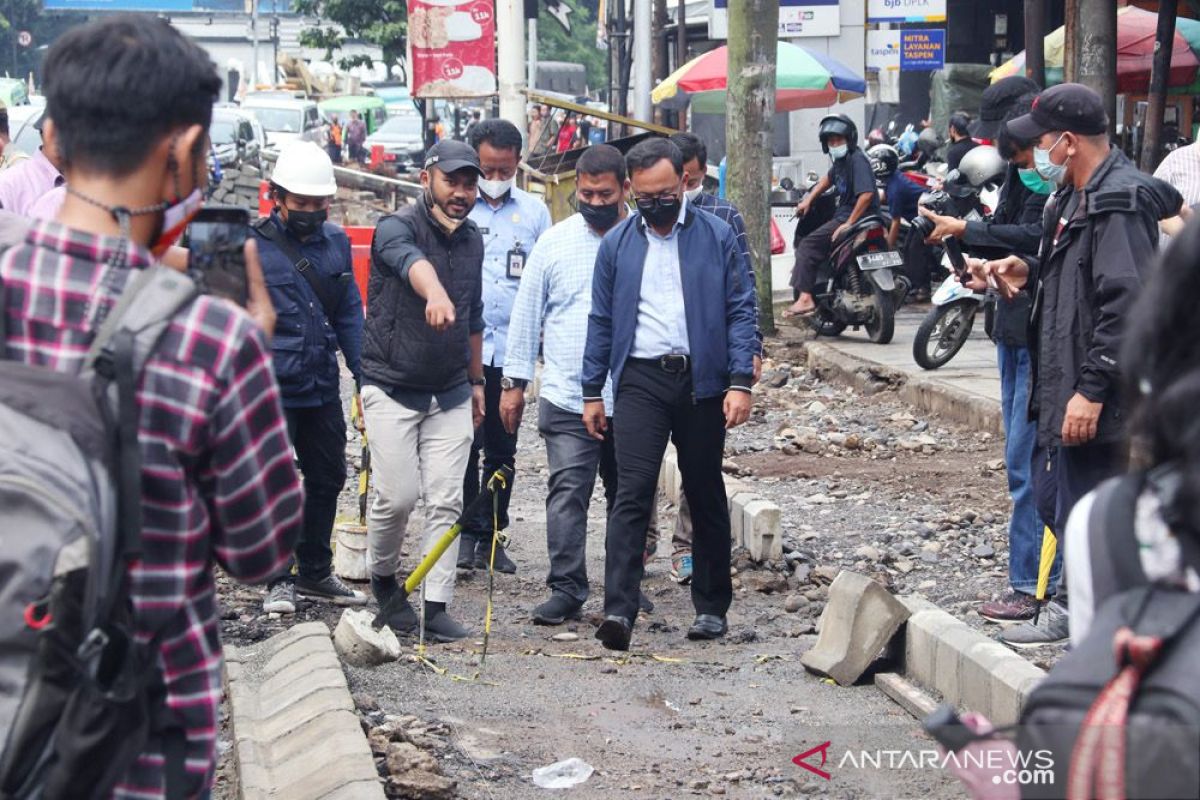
837, 125
928, 142
884, 161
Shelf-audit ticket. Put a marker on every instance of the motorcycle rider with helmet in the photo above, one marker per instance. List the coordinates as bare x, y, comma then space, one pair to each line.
857, 197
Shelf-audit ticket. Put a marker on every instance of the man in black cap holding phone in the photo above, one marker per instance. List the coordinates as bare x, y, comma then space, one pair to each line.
1099, 238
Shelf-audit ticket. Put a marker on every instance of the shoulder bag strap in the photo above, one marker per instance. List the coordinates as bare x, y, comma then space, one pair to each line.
302, 265
1115, 559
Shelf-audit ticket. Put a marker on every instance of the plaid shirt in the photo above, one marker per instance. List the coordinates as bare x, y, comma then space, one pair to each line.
217, 475
728, 213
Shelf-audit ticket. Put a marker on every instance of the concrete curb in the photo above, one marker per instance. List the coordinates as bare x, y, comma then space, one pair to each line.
754, 522
296, 734
968, 669
930, 395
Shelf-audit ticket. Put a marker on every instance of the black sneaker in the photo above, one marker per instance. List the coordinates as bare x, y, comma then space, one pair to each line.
557, 610
483, 553
402, 618
466, 551
644, 604
441, 627
330, 588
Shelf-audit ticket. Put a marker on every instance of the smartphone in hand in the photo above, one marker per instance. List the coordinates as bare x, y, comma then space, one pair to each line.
216, 251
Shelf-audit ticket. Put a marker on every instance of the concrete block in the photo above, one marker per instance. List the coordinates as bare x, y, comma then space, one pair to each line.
737, 517
293, 724
908, 695
360, 644
734, 486
350, 551
762, 530
966, 668
670, 481
860, 618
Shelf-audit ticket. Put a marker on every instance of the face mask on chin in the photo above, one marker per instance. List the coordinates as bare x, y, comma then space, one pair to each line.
692, 194
447, 223
176, 217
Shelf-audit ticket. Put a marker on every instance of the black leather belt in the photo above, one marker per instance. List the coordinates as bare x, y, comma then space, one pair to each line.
674, 364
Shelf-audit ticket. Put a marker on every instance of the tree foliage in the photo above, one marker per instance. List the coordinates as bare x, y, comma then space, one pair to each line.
576, 47
28, 15
380, 22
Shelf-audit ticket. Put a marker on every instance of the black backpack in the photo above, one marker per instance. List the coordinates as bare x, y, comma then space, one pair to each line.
80, 698
1121, 712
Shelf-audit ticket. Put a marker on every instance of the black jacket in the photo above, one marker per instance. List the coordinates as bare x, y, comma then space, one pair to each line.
400, 350
1015, 229
1087, 277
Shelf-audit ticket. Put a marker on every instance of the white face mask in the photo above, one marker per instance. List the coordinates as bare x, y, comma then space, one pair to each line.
692, 194
838, 151
495, 189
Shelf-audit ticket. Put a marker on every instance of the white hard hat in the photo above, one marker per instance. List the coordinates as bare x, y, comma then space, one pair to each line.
304, 168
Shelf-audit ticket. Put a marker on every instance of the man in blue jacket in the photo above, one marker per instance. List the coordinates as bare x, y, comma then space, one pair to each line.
307, 267
672, 321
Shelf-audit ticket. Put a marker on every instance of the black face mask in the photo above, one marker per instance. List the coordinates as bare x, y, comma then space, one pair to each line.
659, 211
600, 217
303, 224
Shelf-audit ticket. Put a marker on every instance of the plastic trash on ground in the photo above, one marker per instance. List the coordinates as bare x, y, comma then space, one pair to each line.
563, 775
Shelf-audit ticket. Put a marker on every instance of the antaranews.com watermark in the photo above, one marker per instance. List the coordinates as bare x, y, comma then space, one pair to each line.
1006, 765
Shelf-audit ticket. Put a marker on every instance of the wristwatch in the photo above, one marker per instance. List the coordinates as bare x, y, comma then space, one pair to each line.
477, 381
512, 383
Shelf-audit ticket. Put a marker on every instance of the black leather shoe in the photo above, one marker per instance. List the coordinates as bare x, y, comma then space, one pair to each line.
557, 610
644, 604
707, 626
466, 552
614, 633
483, 553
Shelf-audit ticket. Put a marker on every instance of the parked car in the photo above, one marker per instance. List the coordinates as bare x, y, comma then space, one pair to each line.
237, 138
402, 141
287, 119
13, 92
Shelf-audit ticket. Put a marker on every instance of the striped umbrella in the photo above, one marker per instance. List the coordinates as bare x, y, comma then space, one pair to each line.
803, 79
1136, 35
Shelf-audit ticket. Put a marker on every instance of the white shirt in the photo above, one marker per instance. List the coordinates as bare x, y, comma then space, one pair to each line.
556, 297
661, 317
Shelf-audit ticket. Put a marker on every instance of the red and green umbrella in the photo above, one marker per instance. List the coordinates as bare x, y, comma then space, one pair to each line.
803, 79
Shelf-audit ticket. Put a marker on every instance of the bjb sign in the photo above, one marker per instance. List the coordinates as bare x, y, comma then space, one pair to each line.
906, 11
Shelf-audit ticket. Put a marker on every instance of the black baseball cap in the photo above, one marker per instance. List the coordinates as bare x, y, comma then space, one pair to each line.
450, 155
1068, 107
996, 102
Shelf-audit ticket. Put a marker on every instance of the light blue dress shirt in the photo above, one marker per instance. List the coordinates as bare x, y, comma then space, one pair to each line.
519, 220
555, 298
661, 318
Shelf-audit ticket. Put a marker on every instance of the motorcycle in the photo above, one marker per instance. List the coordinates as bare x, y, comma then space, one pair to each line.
856, 285
948, 324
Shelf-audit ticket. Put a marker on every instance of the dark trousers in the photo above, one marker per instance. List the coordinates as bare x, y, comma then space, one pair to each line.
652, 406
1063, 475
574, 458
499, 448
318, 435
810, 253
918, 261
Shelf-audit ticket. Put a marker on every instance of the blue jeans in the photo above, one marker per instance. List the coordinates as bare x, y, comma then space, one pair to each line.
1025, 528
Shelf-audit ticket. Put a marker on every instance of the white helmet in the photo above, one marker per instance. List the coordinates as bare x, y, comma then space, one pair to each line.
304, 168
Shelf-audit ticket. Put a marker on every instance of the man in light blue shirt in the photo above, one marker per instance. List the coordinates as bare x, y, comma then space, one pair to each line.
510, 221
553, 302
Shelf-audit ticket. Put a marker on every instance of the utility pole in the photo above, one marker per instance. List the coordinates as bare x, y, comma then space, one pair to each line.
660, 52
621, 36
643, 46
1096, 51
1164, 44
1035, 41
1071, 41
510, 55
753, 35
681, 36
531, 80
254, 44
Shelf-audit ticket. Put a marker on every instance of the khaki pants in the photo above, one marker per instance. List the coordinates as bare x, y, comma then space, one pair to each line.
415, 454
681, 539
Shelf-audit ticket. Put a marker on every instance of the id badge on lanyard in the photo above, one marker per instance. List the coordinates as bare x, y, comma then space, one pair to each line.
515, 262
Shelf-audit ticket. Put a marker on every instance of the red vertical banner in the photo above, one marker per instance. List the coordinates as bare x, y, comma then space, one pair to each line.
453, 46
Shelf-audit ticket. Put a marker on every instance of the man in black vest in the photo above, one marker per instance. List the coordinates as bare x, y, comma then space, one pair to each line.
423, 375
